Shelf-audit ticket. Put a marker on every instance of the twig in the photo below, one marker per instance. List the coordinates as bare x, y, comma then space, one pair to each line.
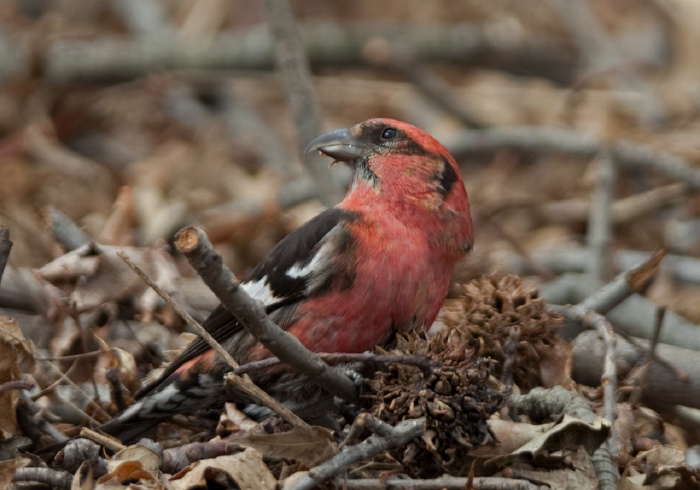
390, 438
574, 211
244, 383
555, 140
575, 259
649, 357
29, 416
333, 358
194, 244
180, 311
674, 382
624, 285
296, 75
65, 231
444, 482
5, 247
600, 223
175, 459
104, 441
69, 61
608, 474
72, 357
15, 385
88, 398
47, 476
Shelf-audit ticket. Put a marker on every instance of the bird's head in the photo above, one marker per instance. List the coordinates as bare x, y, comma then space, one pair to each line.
394, 159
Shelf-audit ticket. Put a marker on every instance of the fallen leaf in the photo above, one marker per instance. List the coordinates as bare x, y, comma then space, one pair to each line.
16, 354
244, 470
132, 463
307, 448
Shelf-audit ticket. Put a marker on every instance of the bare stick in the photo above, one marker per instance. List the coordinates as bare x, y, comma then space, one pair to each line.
333, 358
194, 244
390, 438
102, 440
244, 383
600, 227
181, 311
53, 478
65, 231
554, 140
649, 357
607, 472
118, 58
296, 75
676, 382
624, 285
15, 385
5, 247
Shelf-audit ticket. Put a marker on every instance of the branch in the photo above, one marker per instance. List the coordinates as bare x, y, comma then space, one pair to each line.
385, 437
543, 403
608, 474
70, 61
600, 227
576, 259
296, 75
245, 384
193, 243
624, 285
333, 358
675, 381
65, 231
52, 478
539, 140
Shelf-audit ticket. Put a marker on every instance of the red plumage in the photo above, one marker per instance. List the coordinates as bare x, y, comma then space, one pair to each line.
378, 263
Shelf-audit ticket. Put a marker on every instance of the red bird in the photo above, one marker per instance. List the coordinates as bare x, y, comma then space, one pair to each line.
376, 264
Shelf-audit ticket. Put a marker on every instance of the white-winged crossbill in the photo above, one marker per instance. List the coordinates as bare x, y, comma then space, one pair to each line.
376, 264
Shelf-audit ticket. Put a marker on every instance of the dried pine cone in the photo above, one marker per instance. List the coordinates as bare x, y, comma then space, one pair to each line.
454, 395
489, 308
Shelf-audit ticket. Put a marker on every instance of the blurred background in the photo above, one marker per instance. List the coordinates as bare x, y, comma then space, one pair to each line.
133, 118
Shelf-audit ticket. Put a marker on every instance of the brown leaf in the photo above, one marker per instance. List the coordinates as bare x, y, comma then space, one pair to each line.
244, 470
309, 449
132, 463
16, 354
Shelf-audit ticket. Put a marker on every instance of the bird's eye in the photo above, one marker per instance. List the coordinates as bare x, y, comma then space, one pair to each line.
389, 134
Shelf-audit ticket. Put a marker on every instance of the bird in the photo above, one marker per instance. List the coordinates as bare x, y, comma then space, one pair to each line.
377, 264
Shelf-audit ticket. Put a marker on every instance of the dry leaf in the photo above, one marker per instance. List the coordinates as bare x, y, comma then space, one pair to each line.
16, 354
309, 449
132, 463
568, 433
244, 470
83, 478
